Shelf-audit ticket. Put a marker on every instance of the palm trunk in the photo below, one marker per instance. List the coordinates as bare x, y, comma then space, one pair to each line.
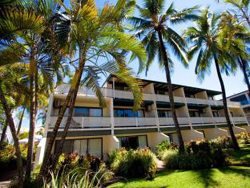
71, 110
21, 120
243, 67
230, 127
33, 108
73, 90
3, 133
170, 92
15, 138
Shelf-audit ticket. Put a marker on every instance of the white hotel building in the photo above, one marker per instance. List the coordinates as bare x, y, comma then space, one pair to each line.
98, 131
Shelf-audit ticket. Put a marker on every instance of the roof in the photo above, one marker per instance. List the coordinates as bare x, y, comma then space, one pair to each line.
234, 95
163, 85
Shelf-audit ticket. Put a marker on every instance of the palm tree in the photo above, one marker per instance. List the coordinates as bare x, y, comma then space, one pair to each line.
208, 43
239, 19
153, 27
88, 34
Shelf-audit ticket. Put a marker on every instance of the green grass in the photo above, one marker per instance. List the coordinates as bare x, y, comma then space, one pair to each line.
241, 157
228, 177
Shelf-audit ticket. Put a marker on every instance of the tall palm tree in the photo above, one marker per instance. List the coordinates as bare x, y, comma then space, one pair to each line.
208, 43
87, 33
153, 28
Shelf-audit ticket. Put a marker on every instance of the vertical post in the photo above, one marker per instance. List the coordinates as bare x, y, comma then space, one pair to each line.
48, 114
112, 121
113, 86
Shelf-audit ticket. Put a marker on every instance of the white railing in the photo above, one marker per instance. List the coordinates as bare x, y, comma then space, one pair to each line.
215, 103
163, 121
64, 89
239, 120
233, 104
196, 101
201, 120
124, 94
220, 120
165, 98
134, 122
84, 122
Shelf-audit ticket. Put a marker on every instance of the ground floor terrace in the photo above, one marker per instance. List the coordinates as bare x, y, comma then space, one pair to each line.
101, 142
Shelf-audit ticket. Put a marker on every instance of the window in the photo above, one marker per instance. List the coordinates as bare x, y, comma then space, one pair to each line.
119, 113
92, 146
215, 114
165, 113
128, 113
194, 114
88, 112
133, 142
95, 112
81, 112
95, 147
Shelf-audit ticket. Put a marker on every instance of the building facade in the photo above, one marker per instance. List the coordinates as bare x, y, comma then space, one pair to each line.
244, 99
98, 131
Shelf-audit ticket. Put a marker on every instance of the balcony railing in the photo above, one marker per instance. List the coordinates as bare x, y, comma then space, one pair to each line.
134, 122
165, 98
238, 120
168, 121
84, 122
201, 120
124, 94
196, 101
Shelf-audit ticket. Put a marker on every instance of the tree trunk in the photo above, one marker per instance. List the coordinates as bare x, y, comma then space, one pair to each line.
15, 138
243, 67
170, 92
3, 132
33, 77
51, 140
230, 127
21, 120
66, 128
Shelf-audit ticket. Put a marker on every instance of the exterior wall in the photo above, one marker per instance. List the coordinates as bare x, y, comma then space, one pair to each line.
111, 142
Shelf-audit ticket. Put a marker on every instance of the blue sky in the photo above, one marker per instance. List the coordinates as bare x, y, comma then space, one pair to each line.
181, 75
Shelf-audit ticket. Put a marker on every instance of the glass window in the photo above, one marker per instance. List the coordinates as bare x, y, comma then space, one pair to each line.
95, 112
142, 141
67, 146
80, 111
169, 113
119, 113
129, 113
140, 113
194, 114
215, 114
95, 147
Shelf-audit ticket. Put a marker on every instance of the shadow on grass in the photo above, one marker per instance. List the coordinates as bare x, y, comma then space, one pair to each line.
236, 170
205, 176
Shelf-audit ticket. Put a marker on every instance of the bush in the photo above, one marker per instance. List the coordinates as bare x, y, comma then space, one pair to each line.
198, 155
222, 142
163, 146
133, 163
79, 178
8, 157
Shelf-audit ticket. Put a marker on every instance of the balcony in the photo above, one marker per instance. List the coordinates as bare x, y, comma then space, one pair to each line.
83, 122
201, 120
168, 121
124, 94
123, 122
165, 98
238, 120
197, 101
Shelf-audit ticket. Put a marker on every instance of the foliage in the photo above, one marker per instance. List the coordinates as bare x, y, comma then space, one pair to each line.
79, 177
72, 161
8, 157
133, 163
222, 142
199, 155
163, 146
243, 138
23, 135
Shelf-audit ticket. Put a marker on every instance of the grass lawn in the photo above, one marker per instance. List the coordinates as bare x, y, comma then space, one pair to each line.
241, 157
228, 177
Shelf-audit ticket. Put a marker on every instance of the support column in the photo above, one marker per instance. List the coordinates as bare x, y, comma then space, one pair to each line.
112, 120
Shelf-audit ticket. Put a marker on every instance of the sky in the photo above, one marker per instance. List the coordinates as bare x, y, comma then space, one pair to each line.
181, 75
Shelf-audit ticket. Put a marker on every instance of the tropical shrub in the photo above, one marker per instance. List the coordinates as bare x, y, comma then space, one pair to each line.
79, 177
133, 163
71, 161
198, 155
163, 146
8, 157
243, 138
222, 142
